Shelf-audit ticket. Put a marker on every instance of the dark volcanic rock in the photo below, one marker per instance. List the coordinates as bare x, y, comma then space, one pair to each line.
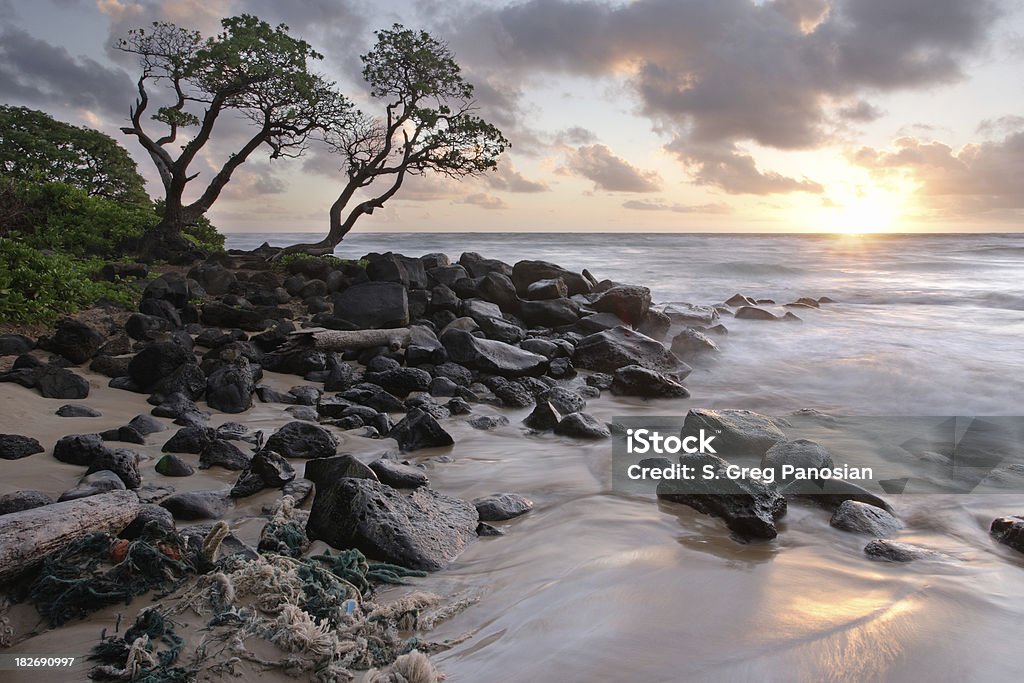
629, 302
214, 278
739, 432
15, 344
171, 287
79, 449
549, 312
691, 343
219, 314
157, 361
800, 453
401, 381
187, 379
498, 507
142, 327
634, 380
191, 439
146, 424
894, 551
862, 518
93, 484
193, 505
755, 313
55, 382
655, 324
23, 500
229, 388
123, 433
488, 422
509, 392
582, 426
421, 530
302, 440
418, 430
373, 396
748, 506
223, 454
525, 273
75, 410
543, 417
490, 356
325, 471
547, 289
122, 462
171, 465
498, 288
272, 468
830, 493
398, 475
612, 349
75, 340
15, 446
157, 518
374, 305
1009, 531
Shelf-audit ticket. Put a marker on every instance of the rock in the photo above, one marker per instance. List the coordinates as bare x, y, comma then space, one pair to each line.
401, 381
74, 410
488, 422
158, 519
634, 380
654, 324
554, 288
691, 343
156, 362
498, 507
272, 469
894, 551
447, 275
525, 273
498, 289
191, 439
563, 400
159, 308
831, 493
442, 386
193, 505
478, 266
484, 529
398, 475
1009, 531
23, 500
862, 518
26, 377
422, 530
455, 372
549, 312
754, 313
737, 432
304, 413
597, 322
691, 314
325, 471
792, 317
543, 417
599, 380
493, 357
509, 392
15, 344
123, 433
187, 379
737, 300
171, 287
214, 278
229, 388
612, 349
122, 462
544, 347
223, 454
236, 431
172, 466
93, 484
75, 340
302, 440
582, 426
748, 506
79, 449
458, 406
374, 305
373, 396
55, 382
800, 453
295, 362
628, 302
15, 446
142, 327
110, 366
219, 314
419, 430
146, 424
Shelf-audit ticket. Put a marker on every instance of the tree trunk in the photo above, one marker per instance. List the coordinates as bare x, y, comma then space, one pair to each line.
343, 340
28, 536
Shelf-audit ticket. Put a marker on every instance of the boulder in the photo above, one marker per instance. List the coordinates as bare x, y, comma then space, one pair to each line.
75, 340
23, 500
597, 322
272, 468
748, 506
525, 273
146, 424
478, 266
498, 289
691, 343
609, 350
628, 302
498, 507
230, 387
754, 313
155, 517
93, 484
219, 314
738, 300
553, 288
419, 429
374, 305
224, 454
142, 327
15, 344
655, 324
582, 426
195, 505
511, 393
79, 449
302, 440
635, 380
190, 439
801, 453
831, 493
549, 312
171, 465
56, 382
1009, 531
373, 396
325, 471
75, 410
422, 530
691, 314
171, 287
122, 462
401, 381
156, 362
493, 357
16, 446
123, 433
488, 422
737, 432
861, 518
187, 379
894, 551
399, 475
543, 417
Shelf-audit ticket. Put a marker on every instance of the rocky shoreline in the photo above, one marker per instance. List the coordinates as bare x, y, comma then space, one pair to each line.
388, 348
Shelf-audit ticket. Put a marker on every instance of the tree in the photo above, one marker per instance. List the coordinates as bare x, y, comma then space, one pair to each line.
37, 148
428, 125
250, 69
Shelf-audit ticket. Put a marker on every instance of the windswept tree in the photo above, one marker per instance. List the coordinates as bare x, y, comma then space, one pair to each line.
249, 70
37, 148
427, 125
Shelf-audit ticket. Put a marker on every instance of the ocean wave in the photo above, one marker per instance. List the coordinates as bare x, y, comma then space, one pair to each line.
756, 268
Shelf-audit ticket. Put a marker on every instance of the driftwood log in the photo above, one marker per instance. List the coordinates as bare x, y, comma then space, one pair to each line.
28, 536
342, 340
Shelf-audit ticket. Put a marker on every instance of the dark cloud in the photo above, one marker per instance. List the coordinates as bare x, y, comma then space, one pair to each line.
483, 200
507, 178
979, 178
35, 73
1003, 125
609, 172
860, 111
735, 172
658, 205
575, 135
714, 74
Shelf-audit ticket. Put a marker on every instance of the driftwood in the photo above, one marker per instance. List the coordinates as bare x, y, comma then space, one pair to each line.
28, 536
342, 340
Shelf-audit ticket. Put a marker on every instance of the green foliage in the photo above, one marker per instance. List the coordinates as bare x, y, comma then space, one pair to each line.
38, 287
202, 233
38, 148
286, 260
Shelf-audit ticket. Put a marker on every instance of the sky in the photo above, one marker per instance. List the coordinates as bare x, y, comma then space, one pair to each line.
851, 116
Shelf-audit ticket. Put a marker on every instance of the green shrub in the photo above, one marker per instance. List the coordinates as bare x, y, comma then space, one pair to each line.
38, 287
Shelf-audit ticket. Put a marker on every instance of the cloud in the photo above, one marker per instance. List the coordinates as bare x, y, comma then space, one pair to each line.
36, 73
575, 135
979, 178
1003, 125
658, 205
610, 172
507, 178
735, 172
483, 200
785, 74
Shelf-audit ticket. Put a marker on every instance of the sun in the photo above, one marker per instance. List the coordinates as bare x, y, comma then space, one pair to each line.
865, 215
